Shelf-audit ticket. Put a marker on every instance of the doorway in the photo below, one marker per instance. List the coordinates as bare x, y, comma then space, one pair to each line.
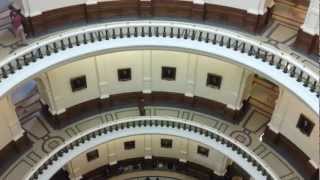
290, 12
26, 100
261, 95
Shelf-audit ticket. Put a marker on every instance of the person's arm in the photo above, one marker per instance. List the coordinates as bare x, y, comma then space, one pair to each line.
11, 16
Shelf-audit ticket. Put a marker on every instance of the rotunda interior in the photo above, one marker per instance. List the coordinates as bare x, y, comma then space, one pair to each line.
159, 90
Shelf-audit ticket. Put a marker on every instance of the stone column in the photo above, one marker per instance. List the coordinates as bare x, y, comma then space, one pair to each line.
308, 35
72, 174
46, 93
279, 112
191, 75
244, 89
257, 16
11, 130
147, 147
147, 74
25, 8
311, 21
222, 169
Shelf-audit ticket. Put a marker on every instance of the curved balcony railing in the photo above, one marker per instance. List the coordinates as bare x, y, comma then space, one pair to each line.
266, 53
138, 124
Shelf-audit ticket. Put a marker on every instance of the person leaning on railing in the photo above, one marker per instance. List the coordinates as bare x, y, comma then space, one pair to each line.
16, 20
141, 105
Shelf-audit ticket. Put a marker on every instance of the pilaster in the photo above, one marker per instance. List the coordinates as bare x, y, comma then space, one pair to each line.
191, 75
147, 74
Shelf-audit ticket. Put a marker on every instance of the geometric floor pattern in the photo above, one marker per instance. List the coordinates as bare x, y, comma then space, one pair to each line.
46, 139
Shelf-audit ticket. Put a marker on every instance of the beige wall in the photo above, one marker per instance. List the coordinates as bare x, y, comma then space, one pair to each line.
102, 78
59, 80
146, 145
179, 147
117, 151
178, 60
232, 77
10, 129
80, 165
285, 119
108, 66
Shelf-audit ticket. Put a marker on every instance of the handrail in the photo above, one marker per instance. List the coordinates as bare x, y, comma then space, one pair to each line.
152, 121
267, 47
268, 54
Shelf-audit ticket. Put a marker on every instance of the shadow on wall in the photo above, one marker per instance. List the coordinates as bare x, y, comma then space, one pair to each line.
23, 91
4, 4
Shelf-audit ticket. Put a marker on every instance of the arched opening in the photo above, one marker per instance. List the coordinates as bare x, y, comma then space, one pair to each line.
260, 99
26, 100
30, 101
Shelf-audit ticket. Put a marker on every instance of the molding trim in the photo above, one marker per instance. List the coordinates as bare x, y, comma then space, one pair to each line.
314, 164
104, 96
191, 95
272, 128
231, 106
147, 91
60, 111
91, 107
222, 174
148, 157
17, 137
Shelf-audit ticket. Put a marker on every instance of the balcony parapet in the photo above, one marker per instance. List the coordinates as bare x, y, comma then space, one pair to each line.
207, 40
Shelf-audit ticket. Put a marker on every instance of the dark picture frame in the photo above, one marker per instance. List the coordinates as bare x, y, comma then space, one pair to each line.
128, 145
166, 143
92, 155
305, 125
124, 74
78, 83
203, 151
168, 73
214, 81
